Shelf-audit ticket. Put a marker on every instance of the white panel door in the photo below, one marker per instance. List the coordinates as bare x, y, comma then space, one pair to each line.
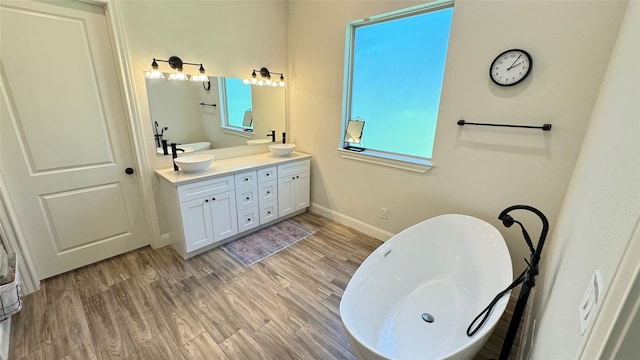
64, 142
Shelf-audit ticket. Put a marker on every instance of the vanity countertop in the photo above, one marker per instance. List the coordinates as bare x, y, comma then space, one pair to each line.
228, 167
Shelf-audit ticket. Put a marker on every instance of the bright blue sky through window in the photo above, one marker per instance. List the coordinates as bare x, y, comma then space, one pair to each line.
398, 67
238, 100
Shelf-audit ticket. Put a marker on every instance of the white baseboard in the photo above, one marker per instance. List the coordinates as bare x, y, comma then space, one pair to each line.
5, 330
356, 224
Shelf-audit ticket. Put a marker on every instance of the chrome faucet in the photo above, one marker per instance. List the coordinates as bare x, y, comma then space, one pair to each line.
284, 137
272, 135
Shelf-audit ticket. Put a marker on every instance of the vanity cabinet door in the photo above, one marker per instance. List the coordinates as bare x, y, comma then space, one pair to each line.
293, 193
301, 191
223, 215
293, 187
196, 223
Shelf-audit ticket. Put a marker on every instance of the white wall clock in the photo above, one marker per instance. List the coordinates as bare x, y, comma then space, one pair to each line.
511, 67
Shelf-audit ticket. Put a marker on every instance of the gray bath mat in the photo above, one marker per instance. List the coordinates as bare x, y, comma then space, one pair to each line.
261, 244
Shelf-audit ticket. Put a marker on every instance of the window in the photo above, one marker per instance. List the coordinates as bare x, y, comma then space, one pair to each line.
236, 97
394, 70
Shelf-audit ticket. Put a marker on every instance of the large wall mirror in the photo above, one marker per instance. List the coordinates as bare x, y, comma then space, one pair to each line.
223, 112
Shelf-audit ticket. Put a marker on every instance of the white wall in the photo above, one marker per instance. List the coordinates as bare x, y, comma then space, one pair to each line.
602, 205
478, 171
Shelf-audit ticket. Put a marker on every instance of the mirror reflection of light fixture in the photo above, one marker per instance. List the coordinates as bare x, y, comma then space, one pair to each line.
353, 135
265, 78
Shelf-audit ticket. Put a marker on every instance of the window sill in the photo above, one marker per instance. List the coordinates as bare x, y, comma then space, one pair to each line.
402, 162
237, 132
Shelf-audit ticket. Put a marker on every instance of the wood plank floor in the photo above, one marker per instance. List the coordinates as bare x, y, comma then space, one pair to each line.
152, 304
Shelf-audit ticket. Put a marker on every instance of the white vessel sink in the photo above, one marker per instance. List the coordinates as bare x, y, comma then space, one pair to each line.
258, 141
282, 149
194, 163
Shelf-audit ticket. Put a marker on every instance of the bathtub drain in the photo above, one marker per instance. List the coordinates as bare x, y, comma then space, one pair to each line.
427, 317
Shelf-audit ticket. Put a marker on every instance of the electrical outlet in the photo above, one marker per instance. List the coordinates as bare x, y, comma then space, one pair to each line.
384, 213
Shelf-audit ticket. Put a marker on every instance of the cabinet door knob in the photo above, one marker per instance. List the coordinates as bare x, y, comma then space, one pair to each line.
248, 220
128, 171
206, 200
247, 198
213, 199
268, 192
268, 212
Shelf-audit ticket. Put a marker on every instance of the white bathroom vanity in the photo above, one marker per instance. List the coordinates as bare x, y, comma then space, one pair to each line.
232, 198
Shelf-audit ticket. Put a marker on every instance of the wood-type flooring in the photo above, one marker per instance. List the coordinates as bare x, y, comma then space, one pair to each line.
152, 304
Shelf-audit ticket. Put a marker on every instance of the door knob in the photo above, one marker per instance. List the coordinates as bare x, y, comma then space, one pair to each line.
128, 170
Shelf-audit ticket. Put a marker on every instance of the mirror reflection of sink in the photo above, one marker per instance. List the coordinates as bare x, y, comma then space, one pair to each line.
194, 163
191, 147
282, 149
186, 150
258, 141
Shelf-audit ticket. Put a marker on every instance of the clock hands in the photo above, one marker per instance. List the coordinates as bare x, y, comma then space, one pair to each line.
514, 62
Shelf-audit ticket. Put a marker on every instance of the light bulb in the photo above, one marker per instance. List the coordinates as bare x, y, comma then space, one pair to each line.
179, 75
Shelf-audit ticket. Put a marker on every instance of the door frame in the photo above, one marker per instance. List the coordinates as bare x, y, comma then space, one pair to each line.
9, 226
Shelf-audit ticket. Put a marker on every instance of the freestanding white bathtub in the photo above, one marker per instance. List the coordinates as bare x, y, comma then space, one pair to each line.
449, 267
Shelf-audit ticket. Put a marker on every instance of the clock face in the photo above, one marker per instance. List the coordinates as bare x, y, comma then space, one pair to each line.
510, 67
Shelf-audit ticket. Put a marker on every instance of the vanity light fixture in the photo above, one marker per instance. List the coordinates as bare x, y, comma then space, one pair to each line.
155, 72
179, 75
265, 78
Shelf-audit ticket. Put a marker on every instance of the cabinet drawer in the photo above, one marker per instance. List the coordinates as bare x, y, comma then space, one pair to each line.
205, 188
268, 212
267, 174
248, 218
268, 191
245, 179
294, 168
246, 197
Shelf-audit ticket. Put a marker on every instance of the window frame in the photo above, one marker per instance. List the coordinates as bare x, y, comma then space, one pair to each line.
379, 157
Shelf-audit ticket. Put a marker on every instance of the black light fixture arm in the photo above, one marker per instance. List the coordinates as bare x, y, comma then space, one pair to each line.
175, 63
